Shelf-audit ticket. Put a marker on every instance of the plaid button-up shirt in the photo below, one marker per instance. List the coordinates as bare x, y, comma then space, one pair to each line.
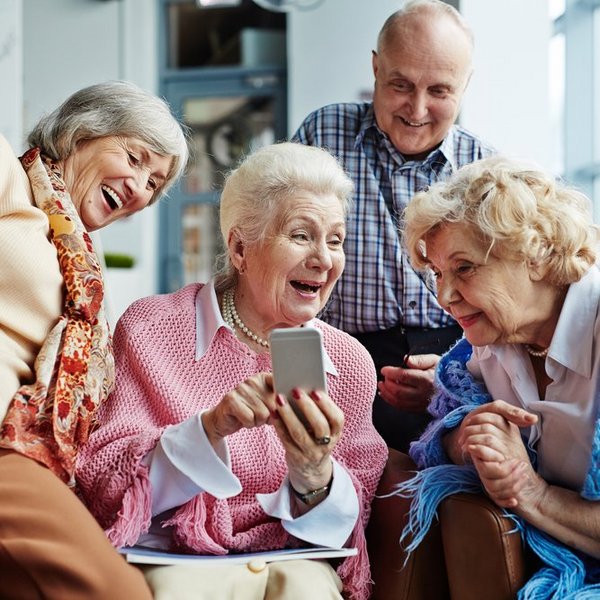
379, 289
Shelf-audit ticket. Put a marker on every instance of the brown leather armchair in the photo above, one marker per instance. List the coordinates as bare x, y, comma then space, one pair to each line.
473, 551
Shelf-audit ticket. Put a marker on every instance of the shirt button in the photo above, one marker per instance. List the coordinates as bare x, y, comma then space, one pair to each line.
256, 566
412, 304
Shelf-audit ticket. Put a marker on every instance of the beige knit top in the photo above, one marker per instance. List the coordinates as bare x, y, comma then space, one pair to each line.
30, 278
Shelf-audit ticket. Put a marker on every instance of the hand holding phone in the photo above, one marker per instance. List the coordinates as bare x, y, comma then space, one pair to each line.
297, 358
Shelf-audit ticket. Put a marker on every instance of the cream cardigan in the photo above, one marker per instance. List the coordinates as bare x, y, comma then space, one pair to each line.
30, 278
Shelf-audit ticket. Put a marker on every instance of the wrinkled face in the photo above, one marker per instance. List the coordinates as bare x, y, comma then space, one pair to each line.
112, 177
493, 300
288, 279
421, 73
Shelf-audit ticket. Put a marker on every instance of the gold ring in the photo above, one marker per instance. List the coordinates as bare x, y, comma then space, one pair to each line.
323, 441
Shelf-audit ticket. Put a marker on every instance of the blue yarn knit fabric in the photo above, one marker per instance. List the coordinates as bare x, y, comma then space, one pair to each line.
566, 574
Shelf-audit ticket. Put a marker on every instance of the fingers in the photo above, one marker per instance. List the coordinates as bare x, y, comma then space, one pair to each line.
503, 481
422, 362
309, 417
405, 397
308, 448
484, 452
248, 405
513, 414
406, 389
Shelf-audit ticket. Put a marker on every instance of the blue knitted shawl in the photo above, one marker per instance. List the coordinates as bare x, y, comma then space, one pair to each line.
566, 574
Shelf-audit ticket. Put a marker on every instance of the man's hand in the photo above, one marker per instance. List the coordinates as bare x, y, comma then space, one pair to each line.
409, 388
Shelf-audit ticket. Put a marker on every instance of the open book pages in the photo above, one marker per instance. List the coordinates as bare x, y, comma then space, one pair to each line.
152, 556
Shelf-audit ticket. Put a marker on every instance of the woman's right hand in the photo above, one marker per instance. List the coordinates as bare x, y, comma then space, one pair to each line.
248, 405
489, 433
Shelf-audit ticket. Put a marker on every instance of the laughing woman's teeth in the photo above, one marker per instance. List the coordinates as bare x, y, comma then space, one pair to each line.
112, 197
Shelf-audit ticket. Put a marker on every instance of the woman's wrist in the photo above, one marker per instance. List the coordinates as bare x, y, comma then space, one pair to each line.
315, 496
208, 422
452, 448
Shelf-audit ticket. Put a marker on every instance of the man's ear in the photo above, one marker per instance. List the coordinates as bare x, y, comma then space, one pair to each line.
237, 250
469, 76
374, 62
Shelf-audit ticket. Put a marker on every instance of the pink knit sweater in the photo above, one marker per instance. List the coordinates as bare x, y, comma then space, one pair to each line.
159, 383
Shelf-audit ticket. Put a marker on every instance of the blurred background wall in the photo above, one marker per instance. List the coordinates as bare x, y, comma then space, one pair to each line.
48, 49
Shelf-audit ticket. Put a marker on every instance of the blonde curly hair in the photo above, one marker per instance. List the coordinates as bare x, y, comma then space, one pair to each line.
519, 211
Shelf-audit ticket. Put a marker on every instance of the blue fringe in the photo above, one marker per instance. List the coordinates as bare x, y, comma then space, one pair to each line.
428, 488
565, 576
591, 486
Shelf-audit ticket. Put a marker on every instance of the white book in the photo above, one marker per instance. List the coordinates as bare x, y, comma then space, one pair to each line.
152, 556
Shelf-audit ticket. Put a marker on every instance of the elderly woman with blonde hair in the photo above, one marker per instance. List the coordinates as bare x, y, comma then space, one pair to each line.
517, 404
196, 452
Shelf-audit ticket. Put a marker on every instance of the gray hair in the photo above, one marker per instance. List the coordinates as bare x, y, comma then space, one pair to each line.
412, 7
518, 210
265, 180
113, 108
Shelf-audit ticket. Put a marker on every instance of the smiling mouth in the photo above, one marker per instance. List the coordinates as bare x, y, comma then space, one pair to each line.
468, 320
112, 198
303, 286
412, 123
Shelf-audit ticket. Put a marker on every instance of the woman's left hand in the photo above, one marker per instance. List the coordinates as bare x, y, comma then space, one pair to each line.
308, 448
492, 440
511, 483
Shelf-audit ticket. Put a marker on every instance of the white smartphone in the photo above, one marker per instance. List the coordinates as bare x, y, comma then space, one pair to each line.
297, 358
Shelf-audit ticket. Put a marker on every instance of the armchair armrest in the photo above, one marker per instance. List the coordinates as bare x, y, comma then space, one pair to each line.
423, 577
483, 551
473, 552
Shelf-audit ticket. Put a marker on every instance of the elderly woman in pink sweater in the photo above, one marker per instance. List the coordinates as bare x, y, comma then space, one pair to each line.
195, 451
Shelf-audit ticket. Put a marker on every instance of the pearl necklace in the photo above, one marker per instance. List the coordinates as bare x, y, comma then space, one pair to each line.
538, 353
232, 318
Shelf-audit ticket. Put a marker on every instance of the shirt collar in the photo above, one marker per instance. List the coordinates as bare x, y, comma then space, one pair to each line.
209, 320
445, 150
573, 339
367, 124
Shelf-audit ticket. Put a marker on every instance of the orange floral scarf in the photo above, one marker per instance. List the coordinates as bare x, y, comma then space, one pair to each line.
50, 418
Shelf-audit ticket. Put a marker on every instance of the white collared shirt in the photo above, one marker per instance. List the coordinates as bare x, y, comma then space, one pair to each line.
564, 433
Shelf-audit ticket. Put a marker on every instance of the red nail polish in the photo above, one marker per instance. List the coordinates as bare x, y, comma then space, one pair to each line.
315, 395
281, 399
296, 394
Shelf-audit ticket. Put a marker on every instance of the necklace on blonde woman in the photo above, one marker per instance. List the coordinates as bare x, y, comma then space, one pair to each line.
537, 353
233, 320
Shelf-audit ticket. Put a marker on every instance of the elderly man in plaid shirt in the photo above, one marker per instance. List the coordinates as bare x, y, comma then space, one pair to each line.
392, 147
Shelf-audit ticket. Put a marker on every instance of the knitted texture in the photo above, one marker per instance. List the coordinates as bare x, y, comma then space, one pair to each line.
455, 396
159, 383
49, 419
566, 573
31, 284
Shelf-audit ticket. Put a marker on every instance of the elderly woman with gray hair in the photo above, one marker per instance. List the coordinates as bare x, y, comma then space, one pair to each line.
108, 151
195, 451
513, 253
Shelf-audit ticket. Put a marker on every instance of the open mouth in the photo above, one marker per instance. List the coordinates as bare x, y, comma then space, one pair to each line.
112, 198
303, 286
412, 123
